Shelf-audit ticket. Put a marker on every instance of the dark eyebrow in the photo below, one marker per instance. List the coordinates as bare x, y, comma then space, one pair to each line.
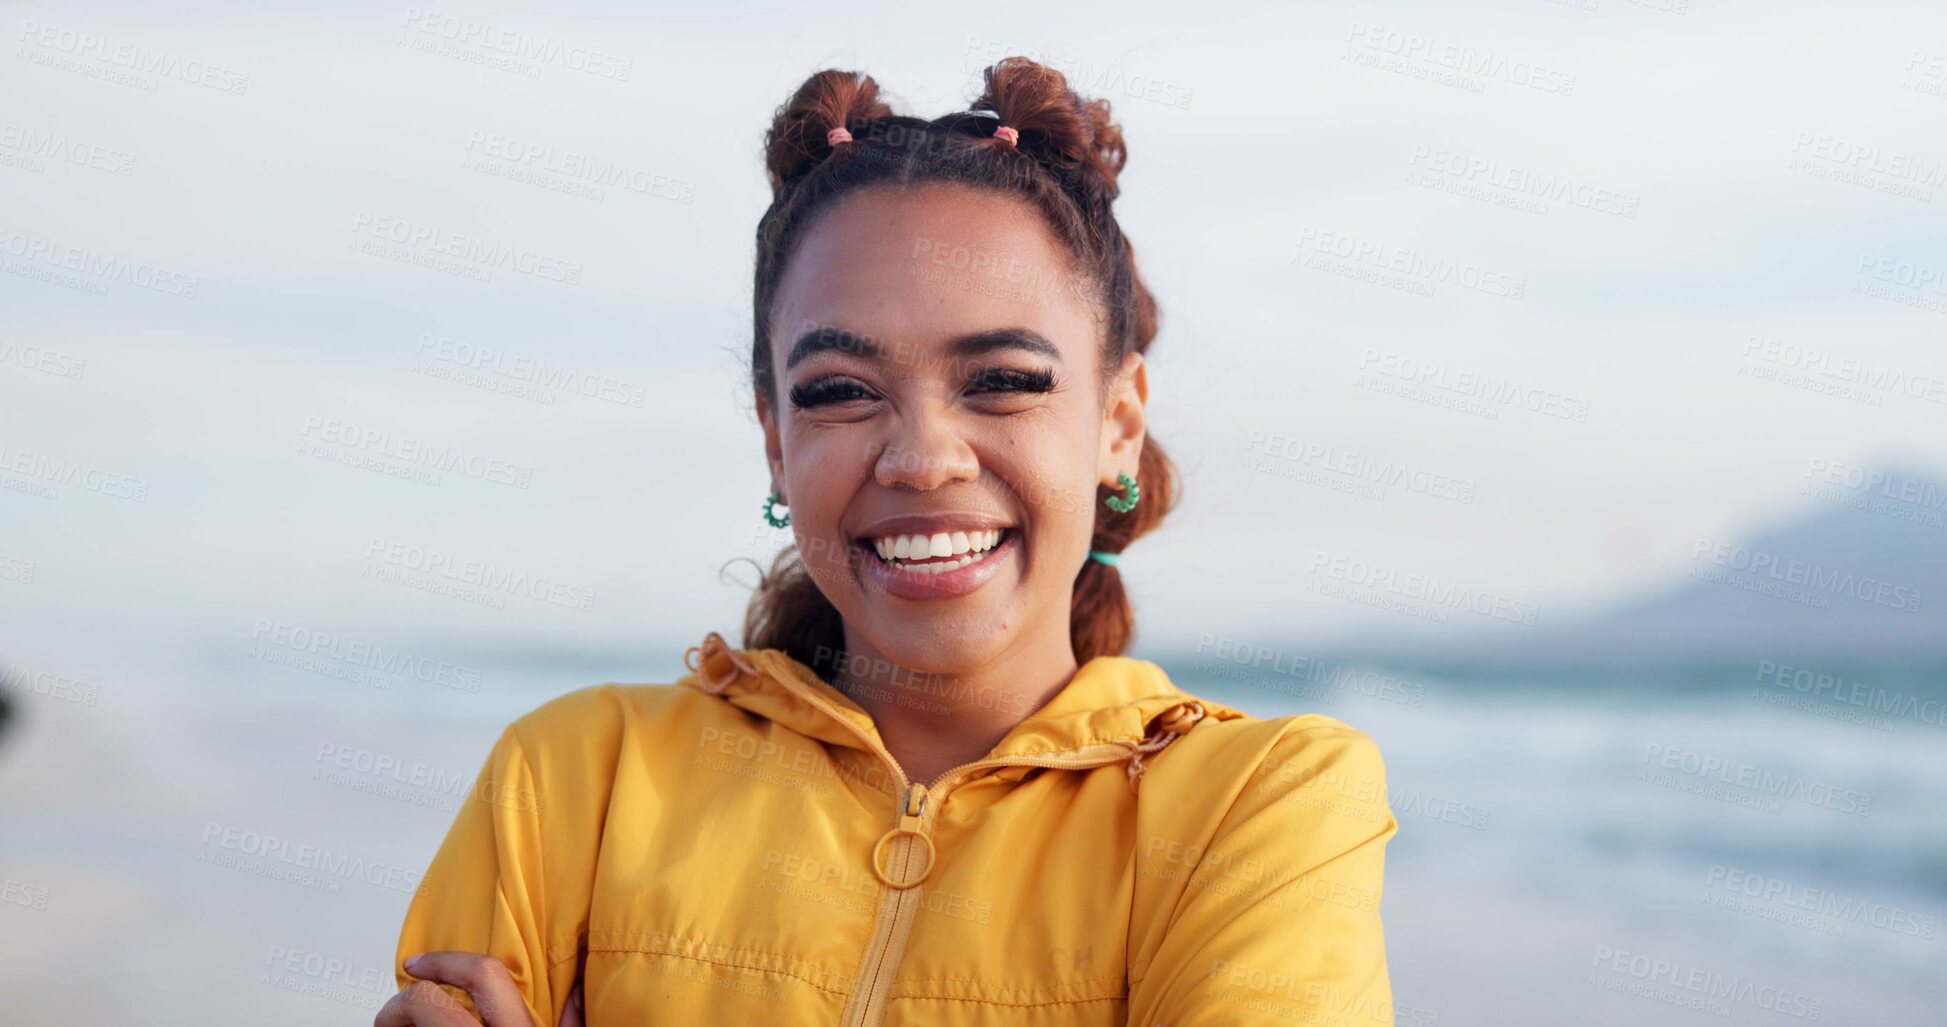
821, 340
1003, 338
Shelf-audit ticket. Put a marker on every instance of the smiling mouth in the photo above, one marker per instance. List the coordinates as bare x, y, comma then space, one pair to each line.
936, 553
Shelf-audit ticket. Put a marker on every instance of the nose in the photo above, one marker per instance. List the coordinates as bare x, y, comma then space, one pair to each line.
923, 452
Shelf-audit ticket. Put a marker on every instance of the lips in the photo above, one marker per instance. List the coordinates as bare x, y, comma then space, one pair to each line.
937, 577
938, 554
917, 538
943, 557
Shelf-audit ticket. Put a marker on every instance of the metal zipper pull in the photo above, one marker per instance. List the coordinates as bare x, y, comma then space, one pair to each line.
912, 823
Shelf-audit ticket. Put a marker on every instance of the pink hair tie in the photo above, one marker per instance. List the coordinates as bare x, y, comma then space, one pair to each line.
1004, 132
837, 135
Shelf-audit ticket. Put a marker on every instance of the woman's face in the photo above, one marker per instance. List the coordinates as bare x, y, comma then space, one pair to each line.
939, 378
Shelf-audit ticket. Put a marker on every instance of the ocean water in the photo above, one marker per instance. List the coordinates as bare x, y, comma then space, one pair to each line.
1674, 846
221, 839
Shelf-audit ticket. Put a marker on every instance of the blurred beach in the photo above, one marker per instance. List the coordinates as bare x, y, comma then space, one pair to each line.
1563, 855
1557, 390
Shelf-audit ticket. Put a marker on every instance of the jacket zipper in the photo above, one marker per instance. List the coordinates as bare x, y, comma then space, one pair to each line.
915, 813
868, 1008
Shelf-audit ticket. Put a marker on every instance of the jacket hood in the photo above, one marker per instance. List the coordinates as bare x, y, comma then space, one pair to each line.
1111, 700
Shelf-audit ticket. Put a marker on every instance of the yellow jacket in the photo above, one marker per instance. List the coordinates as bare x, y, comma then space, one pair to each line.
739, 848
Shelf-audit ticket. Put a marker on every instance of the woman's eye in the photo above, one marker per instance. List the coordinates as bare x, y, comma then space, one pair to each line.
1006, 379
828, 390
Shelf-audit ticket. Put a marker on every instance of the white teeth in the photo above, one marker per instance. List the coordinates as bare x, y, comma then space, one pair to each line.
968, 545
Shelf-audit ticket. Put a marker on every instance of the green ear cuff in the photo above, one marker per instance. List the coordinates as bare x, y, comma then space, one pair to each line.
1131, 495
775, 521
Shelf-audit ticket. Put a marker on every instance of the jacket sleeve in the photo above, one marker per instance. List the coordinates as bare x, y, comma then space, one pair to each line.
512, 878
1276, 911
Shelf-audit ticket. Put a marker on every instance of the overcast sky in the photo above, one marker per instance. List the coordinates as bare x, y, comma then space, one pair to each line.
1654, 219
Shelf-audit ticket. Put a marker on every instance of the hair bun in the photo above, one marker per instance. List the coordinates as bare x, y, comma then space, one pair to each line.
829, 99
1055, 124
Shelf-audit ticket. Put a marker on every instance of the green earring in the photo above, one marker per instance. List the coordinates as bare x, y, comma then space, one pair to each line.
1132, 494
775, 521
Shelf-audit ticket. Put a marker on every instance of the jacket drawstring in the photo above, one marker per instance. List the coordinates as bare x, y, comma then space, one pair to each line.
698, 658
1167, 728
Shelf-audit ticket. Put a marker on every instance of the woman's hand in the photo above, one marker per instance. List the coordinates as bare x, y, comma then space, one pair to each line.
483, 978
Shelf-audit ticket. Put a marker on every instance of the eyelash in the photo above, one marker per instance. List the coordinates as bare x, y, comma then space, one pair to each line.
997, 379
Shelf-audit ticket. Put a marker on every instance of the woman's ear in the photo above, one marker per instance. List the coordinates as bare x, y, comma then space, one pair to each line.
1124, 421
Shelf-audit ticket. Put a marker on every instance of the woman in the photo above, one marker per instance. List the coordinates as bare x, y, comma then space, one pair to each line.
929, 790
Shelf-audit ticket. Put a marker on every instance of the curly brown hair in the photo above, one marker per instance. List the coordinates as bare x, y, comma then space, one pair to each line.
1064, 163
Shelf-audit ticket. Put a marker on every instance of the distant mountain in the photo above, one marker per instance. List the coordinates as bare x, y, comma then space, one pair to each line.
1858, 577
1861, 575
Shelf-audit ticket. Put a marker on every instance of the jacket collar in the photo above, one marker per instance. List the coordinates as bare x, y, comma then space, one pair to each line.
1110, 700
